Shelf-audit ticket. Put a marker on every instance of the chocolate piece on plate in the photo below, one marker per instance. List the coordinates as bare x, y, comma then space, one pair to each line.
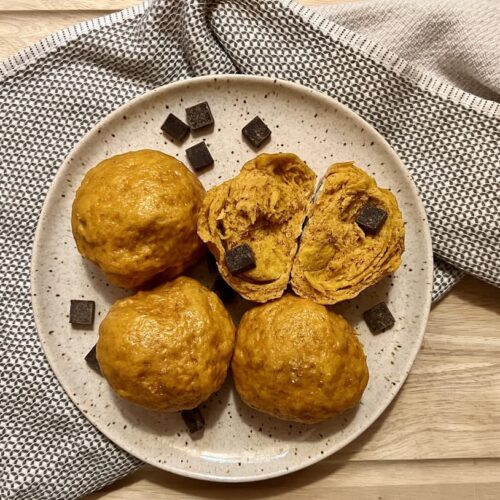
199, 156
256, 132
371, 219
240, 258
175, 128
81, 312
193, 419
199, 116
379, 318
91, 359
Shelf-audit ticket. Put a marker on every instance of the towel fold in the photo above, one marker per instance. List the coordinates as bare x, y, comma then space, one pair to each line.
419, 95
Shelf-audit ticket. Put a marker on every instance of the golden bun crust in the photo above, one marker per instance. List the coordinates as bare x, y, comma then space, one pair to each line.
263, 206
336, 260
168, 348
297, 361
135, 216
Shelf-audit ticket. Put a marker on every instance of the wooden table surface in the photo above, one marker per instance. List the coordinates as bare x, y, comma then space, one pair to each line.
440, 439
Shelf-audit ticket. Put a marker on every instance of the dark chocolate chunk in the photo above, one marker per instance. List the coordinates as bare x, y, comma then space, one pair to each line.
193, 419
223, 290
256, 132
91, 359
175, 128
81, 312
371, 219
379, 318
199, 116
199, 156
240, 259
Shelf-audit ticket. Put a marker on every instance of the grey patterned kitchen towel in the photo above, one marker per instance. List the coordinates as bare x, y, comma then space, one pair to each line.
52, 93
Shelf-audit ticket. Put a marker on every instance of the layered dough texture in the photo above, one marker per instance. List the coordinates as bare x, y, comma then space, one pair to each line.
263, 206
336, 259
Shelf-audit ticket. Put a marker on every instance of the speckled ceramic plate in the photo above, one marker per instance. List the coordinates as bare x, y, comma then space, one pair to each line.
238, 444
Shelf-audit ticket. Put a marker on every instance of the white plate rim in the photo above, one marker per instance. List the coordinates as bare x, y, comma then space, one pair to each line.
426, 244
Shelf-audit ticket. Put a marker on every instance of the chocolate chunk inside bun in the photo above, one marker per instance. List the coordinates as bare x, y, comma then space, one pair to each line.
339, 256
263, 208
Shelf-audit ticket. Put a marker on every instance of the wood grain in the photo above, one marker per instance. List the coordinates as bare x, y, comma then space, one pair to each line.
20, 29
65, 5
61, 5
450, 404
25, 22
440, 438
394, 480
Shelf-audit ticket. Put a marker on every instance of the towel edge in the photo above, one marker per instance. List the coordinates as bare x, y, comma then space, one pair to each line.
391, 61
60, 38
